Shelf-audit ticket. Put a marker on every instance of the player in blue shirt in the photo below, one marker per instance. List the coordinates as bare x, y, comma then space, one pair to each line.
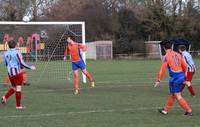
14, 63
190, 69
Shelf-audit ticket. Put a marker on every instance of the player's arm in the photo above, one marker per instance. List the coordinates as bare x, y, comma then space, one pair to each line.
4, 61
66, 53
190, 61
161, 72
184, 66
82, 47
20, 59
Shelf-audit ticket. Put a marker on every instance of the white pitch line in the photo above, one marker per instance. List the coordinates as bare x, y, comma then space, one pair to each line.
137, 81
163, 83
96, 87
31, 115
85, 112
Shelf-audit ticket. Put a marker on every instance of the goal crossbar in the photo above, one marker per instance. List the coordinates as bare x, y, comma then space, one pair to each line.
40, 23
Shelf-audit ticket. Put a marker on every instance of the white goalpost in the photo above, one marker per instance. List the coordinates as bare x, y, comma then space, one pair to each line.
43, 44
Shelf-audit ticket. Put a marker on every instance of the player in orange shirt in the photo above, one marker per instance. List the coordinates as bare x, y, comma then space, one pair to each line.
75, 49
177, 70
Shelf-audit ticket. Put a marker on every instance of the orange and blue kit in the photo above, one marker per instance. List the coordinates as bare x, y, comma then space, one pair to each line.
177, 69
74, 50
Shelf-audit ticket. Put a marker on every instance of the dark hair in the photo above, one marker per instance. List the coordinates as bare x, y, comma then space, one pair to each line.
167, 45
12, 44
182, 47
72, 37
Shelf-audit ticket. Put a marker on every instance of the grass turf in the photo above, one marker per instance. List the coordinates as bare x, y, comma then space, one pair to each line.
124, 97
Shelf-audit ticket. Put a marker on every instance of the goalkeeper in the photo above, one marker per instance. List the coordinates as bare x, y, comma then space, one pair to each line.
75, 50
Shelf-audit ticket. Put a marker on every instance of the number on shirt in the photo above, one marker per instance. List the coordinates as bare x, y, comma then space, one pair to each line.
176, 60
9, 58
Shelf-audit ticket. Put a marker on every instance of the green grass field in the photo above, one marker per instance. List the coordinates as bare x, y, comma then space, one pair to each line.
124, 97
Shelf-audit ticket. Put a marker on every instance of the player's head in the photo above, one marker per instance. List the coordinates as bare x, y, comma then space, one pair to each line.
12, 44
167, 45
70, 39
181, 48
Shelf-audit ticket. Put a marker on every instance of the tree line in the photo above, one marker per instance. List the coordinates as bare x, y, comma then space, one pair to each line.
127, 22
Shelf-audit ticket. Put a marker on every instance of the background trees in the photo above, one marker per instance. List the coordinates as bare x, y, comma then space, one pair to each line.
127, 22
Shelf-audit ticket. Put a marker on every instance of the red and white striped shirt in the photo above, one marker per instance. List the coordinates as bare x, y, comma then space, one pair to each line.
14, 62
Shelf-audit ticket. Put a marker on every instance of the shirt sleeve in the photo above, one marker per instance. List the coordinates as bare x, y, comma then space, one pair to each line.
4, 61
82, 47
163, 68
20, 59
66, 51
190, 60
184, 65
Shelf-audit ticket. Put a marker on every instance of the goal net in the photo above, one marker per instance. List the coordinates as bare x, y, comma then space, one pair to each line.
42, 44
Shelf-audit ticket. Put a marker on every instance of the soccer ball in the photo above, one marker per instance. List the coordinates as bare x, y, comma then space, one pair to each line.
26, 19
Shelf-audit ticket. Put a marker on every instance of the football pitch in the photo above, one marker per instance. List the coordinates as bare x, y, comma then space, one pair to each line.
123, 97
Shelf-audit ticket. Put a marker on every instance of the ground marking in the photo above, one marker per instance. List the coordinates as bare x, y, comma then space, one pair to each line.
85, 112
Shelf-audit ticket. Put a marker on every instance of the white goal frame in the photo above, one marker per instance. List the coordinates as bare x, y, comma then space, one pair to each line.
53, 23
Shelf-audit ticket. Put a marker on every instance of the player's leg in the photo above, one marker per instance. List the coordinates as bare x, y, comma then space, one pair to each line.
76, 87
169, 103
183, 86
183, 103
86, 73
25, 83
18, 94
175, 87
189, 84
89, 76
190, 88
9, 93
75, 70
24, 75
7, 81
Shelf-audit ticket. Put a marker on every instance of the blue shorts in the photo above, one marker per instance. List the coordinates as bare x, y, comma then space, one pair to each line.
176, 82
78, 65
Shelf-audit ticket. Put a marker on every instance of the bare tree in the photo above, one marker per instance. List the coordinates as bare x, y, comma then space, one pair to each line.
13, 10
40, 7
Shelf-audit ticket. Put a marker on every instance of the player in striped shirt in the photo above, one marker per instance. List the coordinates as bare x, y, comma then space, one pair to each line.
176, 66
14, 63
190, 69
75, 50
25, 83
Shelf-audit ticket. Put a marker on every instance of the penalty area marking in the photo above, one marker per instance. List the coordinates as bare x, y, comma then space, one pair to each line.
84, 112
